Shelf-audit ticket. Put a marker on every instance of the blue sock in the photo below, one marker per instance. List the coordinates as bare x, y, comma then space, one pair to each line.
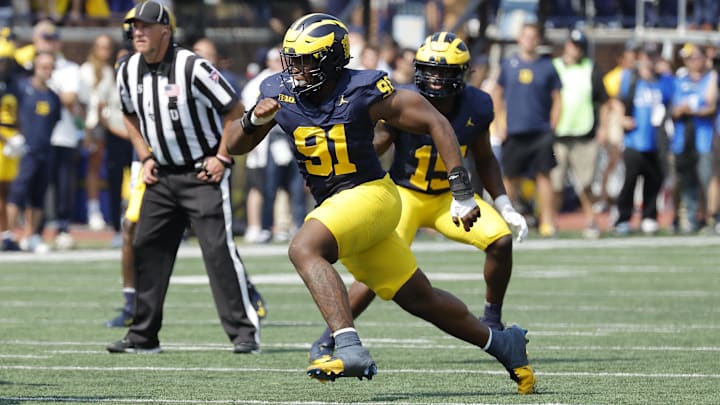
492, 314
129, 295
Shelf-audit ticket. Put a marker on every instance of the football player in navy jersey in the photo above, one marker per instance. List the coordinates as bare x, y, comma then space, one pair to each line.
330, 112
442, 64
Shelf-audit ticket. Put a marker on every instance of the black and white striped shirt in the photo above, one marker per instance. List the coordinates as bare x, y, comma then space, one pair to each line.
179, 104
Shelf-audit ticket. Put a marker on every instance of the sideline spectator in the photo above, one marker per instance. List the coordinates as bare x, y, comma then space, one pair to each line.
39, 110
256, 160
642, 100
11, 140
528, 90
65, 82
583, 119
98, 84
694, 107
612, 145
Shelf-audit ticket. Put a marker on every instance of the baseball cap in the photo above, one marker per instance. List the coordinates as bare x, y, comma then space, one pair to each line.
151, 12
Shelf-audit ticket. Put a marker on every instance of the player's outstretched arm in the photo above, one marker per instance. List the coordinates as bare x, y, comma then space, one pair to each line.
244, 134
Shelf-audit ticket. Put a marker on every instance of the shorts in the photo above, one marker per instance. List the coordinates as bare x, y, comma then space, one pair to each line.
363, 220
254, 179
422, 210
137, 190
577, 155
526, 155
29, 187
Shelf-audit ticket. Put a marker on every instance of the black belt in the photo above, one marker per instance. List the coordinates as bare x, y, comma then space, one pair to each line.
192, 168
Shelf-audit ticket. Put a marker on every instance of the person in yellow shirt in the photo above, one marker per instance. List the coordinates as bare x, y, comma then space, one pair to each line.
11, 141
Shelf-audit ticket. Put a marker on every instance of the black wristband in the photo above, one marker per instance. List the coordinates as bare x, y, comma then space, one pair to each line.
247, 125
460, 186
146, 158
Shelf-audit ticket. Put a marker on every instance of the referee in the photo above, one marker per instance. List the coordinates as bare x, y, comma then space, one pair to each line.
174, 106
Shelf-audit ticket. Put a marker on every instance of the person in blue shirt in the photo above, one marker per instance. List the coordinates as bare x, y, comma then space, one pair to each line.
528, 90
39, 111
643, 101
694, 103
330, 112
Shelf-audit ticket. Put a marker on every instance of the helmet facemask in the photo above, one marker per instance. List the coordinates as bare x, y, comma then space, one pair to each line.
307, 72
438, 81
441, 65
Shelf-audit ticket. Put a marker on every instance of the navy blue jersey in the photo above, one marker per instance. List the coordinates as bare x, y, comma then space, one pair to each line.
333, 140
416, 163
528, 87
39, 112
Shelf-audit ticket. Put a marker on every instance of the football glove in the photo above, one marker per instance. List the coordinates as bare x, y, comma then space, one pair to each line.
513, 218
15, 147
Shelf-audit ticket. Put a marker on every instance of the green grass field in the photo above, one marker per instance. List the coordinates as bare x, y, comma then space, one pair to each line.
617, 321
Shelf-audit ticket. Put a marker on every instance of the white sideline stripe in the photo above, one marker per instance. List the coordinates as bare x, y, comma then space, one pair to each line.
439, 246
22, 356
388, 371
223, 401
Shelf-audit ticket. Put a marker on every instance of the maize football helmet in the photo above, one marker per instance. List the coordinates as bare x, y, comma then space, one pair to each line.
127, 27
441, 65
315, 49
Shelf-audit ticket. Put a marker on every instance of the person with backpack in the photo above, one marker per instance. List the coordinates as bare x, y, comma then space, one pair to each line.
643, 100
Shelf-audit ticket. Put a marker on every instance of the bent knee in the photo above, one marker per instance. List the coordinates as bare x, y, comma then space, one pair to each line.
501, 248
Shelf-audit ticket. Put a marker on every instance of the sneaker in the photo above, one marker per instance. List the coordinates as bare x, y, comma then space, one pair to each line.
591, 232
117, 241
321, 351
349, 361
246, 348
9, 245
622, 229
649, 226
64, 241
547, 230
257, 301
96, 221
509, 347
121, 321
254, 235
34, 244
126, 346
